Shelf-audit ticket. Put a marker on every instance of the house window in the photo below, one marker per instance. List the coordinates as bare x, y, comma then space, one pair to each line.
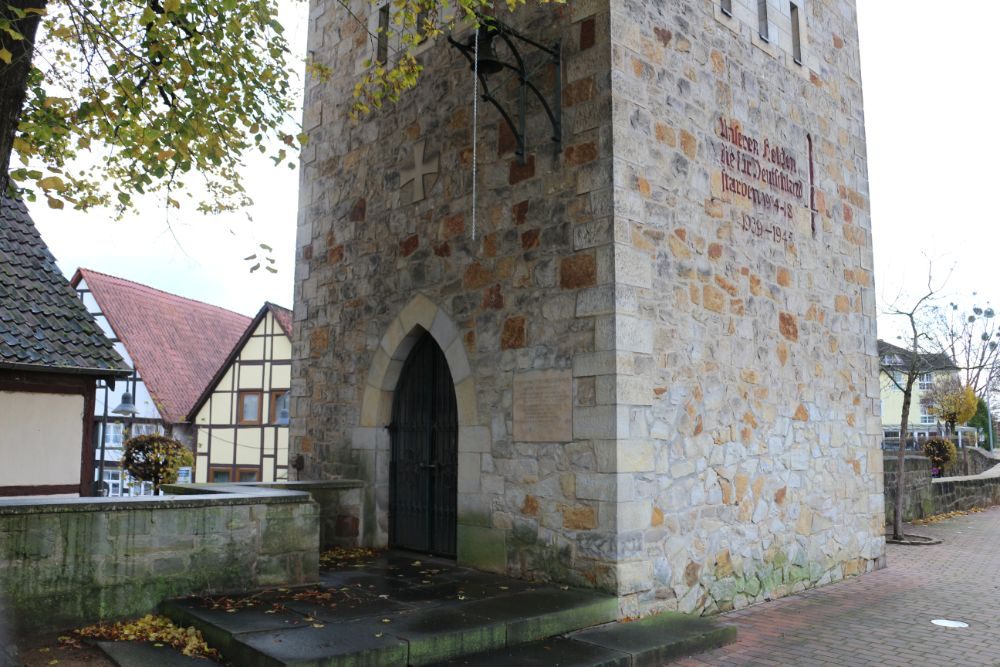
382, 50
112, 481
279, 407
114, 435
796, 36
146, 429
925, 381
762, 19
219, 475
727, 7
247, 475
248, 407
925, 415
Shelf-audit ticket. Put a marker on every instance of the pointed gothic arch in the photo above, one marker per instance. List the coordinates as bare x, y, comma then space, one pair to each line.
419, 317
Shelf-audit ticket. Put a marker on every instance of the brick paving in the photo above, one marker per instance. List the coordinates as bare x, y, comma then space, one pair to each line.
884, 618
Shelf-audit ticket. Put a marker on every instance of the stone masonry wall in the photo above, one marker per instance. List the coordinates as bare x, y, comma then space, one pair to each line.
965, 493
927, 496
532, 291
747, 390
918, 494
716, 328
72, 562
980, 460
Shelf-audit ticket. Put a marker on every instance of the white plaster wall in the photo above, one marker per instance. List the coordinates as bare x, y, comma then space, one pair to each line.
40, 438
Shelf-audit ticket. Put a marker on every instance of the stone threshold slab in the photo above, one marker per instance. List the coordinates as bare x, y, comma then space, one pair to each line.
384, 632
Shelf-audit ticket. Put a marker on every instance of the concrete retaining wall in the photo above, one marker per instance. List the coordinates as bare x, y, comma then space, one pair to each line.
73, 561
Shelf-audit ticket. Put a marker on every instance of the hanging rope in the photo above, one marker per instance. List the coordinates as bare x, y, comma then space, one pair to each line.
475, 127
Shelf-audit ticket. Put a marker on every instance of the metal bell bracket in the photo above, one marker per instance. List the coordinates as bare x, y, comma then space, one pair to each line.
491, 28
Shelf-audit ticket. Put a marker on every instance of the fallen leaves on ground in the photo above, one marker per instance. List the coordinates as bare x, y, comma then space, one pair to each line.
347, 556
947, 515
152, 628
232, 604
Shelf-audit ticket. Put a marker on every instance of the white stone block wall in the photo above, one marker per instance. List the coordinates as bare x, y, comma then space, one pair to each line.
763, 411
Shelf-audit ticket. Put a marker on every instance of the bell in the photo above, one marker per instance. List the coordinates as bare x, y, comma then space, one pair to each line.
488, 61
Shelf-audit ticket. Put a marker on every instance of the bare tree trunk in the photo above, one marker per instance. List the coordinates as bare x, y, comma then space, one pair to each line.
14, 77
904, 420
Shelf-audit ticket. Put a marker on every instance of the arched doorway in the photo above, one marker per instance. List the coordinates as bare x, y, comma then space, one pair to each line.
423, 475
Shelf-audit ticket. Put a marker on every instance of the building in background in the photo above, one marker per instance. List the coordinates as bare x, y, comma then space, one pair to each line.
894, 364
172, 345
51, 353
242, 417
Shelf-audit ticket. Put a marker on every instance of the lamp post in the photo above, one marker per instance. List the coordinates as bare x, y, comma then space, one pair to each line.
126, 409
99, 489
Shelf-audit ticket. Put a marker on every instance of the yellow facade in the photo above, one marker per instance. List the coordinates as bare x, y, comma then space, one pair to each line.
892, 401
243, 424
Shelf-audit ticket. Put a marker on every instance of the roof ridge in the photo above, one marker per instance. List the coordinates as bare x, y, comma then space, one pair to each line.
156, 289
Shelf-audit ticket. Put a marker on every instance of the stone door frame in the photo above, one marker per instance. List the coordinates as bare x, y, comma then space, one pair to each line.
479, 544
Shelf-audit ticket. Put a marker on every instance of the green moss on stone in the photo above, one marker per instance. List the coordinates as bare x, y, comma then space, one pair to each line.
482, 548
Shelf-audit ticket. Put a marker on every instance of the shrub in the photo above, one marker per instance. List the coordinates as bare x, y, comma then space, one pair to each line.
155, 458
940, 451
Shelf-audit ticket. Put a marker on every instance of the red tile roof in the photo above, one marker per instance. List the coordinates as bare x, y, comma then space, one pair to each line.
284, 317
175, 343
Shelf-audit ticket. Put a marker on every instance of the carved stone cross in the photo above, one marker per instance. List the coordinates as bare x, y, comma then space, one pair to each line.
420, 168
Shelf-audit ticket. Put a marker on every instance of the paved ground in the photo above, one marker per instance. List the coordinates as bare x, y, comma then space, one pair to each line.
884, 618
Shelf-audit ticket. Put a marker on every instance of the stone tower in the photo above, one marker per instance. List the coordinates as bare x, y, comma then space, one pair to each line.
653, 360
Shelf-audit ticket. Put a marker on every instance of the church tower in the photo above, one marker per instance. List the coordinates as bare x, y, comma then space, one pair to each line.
642, 357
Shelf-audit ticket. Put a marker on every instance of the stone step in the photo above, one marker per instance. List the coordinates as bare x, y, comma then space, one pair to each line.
410, 626
656, 640
649, 642
555, 652
144, 654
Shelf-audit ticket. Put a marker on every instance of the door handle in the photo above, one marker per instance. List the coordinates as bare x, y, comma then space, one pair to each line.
431, 466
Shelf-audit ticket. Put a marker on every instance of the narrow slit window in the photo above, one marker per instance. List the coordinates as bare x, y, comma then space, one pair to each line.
796, 35
727, 7
422, 16
382, 52
762, 19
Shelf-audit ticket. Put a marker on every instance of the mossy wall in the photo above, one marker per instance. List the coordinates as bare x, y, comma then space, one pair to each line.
71, 562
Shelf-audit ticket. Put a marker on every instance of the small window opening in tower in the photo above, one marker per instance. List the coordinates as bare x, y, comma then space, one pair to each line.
796, 35
382, 51
422, 16
762, 19
727, 7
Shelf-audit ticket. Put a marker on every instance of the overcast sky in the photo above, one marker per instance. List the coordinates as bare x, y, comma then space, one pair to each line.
930, 97
197, 256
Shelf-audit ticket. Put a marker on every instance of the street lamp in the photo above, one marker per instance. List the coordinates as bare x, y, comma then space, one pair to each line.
126, 409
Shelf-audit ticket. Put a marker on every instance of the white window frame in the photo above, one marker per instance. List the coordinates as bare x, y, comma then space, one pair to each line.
926, 418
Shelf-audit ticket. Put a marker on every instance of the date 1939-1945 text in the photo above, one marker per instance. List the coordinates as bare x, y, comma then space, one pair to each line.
755, 227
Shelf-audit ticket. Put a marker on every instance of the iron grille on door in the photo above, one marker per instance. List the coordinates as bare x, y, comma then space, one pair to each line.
424, 458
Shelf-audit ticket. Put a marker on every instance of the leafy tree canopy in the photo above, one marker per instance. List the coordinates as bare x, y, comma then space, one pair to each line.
155, 91
155, 458
952, 401
154, 94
